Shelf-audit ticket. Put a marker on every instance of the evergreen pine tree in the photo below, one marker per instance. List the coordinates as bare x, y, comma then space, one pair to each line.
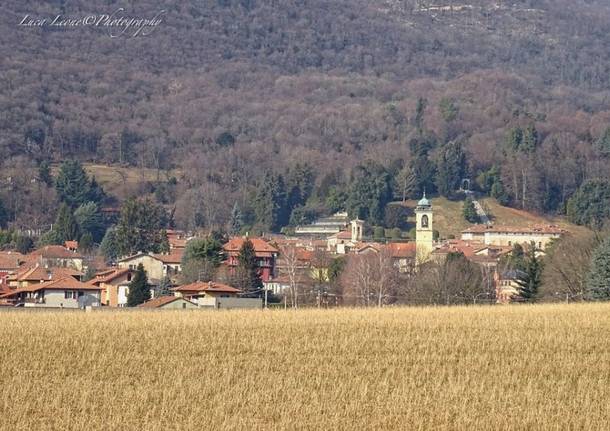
108, 246
270, 203
420, 112
424, 170
499, 193
516, 258
248, 278
89, 273
164, 246
72, 184
96, 192
530, 139
514, 139
140, 228
469, 211
23, 244
531, 279
300, 183
139, 289
44, 173
451, 168
90, 220
369, 192
66, 227
3, 215
208, 249
590, 205
85, 243
164, 288
448, 109
336, 199
236, 221
598, 277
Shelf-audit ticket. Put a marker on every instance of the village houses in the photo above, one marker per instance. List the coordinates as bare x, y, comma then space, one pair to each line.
266, 255
157, 265
53, 275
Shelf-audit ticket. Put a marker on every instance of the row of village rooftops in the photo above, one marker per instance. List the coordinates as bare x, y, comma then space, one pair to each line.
51, 276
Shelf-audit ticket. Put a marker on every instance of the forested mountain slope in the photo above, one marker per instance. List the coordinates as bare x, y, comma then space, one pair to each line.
229, 89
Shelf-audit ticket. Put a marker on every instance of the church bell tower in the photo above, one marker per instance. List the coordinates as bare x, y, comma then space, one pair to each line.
424, 234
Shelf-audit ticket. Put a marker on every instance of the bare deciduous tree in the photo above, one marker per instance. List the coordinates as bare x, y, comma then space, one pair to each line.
567, 265
290, 266
453, 281
370, 279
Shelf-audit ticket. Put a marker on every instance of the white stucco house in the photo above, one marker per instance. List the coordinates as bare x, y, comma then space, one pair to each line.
65, 292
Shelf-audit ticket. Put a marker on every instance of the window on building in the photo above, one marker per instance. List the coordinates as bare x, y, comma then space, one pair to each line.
70, 294
184, 305
424, 221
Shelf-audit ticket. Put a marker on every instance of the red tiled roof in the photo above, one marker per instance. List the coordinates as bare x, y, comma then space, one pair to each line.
402, 249
261, 247
211, 286
177, 242
37, 273
56, 252
304, 255
60, 284
173, 257
161, 301
105, 272
481, 228
71, 245
467, 248
344, 234
362, 246
108, 276
11, 260
64, 283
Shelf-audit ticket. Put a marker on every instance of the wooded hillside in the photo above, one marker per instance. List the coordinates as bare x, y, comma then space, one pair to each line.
227, 90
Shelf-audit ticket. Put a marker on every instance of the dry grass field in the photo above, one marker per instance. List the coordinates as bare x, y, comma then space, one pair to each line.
521, 367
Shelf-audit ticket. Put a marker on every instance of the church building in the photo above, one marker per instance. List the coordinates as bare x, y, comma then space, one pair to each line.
424, 233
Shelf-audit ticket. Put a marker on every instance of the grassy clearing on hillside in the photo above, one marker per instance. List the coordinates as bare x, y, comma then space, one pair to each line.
114, 179
521, 367
449, 220
448, 217
504, 216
